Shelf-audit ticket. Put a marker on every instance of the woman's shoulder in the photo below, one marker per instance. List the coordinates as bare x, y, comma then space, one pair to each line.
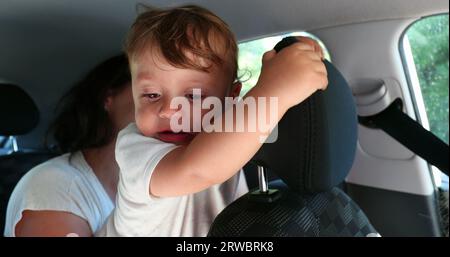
58, 169
64, 177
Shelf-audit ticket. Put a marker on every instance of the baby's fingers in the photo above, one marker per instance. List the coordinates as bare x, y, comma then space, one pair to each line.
313, 43
322, 73
268, 55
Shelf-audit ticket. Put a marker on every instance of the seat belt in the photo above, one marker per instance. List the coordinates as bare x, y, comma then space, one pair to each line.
410, 134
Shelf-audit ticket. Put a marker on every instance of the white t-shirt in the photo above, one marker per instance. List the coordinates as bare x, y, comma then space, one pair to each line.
65, 183
137, 213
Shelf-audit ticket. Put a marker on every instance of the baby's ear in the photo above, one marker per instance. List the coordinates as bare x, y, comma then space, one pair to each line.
236, 89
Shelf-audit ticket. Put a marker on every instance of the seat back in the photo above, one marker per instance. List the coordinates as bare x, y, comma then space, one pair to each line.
330, 213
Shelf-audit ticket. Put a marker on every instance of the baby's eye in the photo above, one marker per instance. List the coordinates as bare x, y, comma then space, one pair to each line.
152, 96
194, 96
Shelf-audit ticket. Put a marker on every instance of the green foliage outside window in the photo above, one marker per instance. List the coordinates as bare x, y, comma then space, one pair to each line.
429, 45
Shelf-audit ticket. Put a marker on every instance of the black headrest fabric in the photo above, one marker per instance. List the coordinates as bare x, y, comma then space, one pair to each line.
18, 112
316, 142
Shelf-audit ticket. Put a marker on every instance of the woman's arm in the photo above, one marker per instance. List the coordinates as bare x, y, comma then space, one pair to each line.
51, 223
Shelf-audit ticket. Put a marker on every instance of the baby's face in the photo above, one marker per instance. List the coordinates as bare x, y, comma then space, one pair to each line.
155, 83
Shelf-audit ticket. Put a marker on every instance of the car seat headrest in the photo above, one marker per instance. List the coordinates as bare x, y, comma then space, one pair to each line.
18, 112
316, 140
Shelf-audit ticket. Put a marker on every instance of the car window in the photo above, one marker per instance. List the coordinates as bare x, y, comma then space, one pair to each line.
251, 52
5, 147
3, 141
426, 41
425, 50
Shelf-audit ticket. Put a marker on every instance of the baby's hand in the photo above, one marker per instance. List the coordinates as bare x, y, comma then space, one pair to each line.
317, 48
293, 74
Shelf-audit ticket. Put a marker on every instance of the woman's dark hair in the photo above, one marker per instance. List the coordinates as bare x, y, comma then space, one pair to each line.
82, 121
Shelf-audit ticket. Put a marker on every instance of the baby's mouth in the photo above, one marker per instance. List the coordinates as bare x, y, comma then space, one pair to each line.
175, 138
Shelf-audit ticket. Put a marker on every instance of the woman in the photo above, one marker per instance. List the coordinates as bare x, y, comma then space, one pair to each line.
73, 194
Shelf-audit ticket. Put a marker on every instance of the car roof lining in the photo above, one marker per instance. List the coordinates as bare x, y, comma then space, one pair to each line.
248, 19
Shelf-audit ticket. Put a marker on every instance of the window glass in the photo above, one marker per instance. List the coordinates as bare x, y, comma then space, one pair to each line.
427, 42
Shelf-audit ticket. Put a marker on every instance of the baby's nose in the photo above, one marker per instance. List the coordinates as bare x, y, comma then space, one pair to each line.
166, 112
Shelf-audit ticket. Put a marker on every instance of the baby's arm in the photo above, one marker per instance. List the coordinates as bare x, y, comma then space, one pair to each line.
292, 75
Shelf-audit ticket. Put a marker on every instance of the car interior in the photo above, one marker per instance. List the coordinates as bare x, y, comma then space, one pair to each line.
355, 160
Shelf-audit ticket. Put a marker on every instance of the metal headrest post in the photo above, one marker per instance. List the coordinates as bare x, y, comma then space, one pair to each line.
263, 180
14, 146
263, 193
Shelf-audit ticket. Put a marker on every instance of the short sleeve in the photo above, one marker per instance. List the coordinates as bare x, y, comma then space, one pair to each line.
137, 157
45, 187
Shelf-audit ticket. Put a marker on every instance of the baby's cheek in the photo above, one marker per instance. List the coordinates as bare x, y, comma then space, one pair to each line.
146, 122
195, 120
202, 120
